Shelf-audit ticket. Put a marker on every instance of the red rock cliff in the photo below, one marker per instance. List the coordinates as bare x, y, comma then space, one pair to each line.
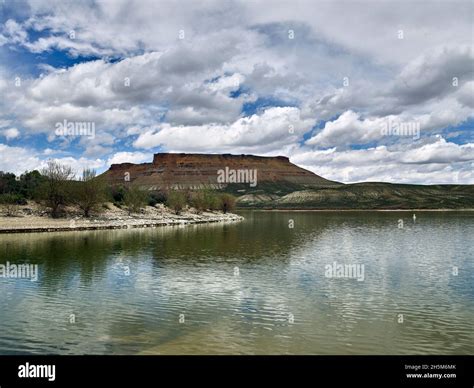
202, 170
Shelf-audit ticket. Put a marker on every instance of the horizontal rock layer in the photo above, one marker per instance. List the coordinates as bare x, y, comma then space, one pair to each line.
202, 170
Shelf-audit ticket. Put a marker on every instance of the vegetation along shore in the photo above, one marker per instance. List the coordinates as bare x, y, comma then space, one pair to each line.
52, 200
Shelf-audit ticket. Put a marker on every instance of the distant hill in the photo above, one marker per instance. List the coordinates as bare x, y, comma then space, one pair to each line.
275, 182
368, 196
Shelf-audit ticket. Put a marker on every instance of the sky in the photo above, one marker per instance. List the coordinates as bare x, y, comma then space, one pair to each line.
351, 90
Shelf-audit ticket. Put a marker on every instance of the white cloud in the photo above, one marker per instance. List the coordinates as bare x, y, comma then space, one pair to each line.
440, 151
176, 93
130, 157
19, 159
13, 32
269, 131
349, 129
10, 133
435, 162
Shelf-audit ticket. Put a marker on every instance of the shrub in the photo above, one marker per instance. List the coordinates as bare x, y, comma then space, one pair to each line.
21, 201
227, 202
134, 198
156, 197
176, 200
211, 200
198, 201
117, 193
11, 199
9, 202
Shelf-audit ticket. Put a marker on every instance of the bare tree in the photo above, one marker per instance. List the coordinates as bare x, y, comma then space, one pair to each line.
55, 188
89, 192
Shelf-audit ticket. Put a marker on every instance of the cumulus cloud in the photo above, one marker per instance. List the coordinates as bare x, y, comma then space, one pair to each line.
230, 77
348, 128
351, 129
131, 91
10, 133
130, 157
265, 132
434, 74
435, 162
440, 151
19, 159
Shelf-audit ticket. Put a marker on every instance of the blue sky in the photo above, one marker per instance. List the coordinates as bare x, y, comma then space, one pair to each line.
315, 81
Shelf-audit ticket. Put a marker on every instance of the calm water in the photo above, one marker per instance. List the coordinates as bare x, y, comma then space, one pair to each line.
256, 287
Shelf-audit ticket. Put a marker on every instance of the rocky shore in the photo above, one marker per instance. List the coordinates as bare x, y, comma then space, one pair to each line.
32, 218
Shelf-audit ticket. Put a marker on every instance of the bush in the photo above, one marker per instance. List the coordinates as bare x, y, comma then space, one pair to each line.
198, 201
155, 198
134, 198
9, 201
117, 193
212, 200
12, 199
227, 202
176, 200
21, 201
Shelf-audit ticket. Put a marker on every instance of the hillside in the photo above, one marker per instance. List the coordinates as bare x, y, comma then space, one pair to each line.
280, 184
197, 171
368, 196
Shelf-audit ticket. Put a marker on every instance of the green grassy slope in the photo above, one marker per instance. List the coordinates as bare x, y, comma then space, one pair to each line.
359, 196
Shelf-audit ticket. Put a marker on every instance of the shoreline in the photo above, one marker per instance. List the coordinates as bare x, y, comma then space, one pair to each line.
113, 225
35, 221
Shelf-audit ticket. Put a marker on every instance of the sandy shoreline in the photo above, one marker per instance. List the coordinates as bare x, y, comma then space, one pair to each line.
28, 220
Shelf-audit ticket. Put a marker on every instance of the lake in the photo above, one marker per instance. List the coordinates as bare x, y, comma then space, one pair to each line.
275, 283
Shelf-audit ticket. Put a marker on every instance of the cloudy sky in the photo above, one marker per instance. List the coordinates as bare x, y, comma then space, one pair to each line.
354, 91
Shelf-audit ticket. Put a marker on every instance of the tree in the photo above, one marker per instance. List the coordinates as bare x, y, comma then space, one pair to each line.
55, 188
227, 202
30, 183
89, 192
8, 183
134, 198
198, 201
25, 185
212, 200
176, 200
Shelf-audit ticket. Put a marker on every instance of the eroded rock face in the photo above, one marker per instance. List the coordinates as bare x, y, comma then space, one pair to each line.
212, 171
